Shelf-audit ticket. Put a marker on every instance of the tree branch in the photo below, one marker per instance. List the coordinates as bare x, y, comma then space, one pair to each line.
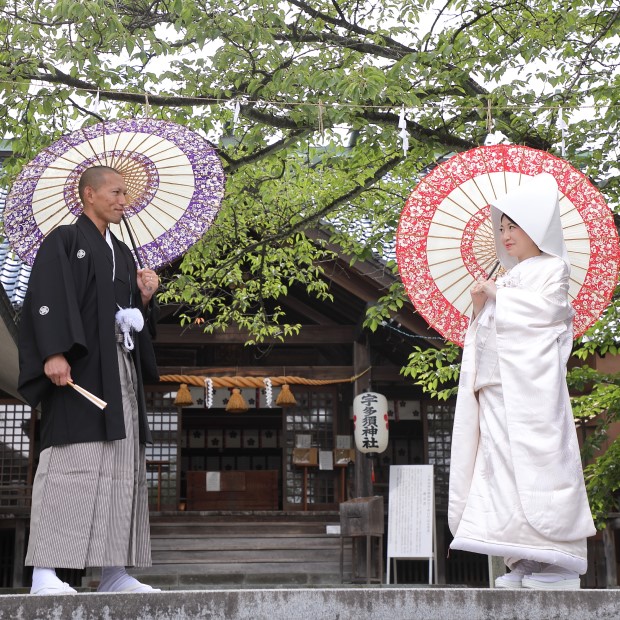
269, 150
311, 219
343, 23
85, 111
585, 57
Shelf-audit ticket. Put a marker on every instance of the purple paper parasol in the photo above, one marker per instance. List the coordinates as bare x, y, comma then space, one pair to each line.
174, 178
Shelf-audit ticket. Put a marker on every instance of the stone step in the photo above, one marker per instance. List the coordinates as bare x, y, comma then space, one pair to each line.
240, 576
237, 516
255, 543
193, 530
296, 556
190, 549
376, 603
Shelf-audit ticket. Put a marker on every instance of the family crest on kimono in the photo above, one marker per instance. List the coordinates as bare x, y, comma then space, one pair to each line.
516, 478
89, 503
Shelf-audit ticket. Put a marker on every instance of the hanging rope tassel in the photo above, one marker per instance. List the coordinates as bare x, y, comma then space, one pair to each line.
184, 396
286, 398
236, 403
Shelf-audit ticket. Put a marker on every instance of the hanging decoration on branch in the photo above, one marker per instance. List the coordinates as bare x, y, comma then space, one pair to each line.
493, 137
96, 103
563, 127
321, 123
445, 240
489, 121
174, 178
404, 135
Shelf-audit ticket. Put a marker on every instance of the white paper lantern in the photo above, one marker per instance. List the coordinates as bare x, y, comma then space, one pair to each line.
370, 421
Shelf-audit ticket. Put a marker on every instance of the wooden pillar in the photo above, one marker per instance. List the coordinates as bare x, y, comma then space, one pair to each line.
497, 568
440, 550
181, 504
363, 464
19, 552
609, 548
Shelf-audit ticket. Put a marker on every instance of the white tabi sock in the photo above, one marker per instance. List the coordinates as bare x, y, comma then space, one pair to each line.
45, 582
526, 567
116, 579
553, 572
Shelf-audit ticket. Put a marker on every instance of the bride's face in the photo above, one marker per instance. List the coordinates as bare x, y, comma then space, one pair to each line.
516, 241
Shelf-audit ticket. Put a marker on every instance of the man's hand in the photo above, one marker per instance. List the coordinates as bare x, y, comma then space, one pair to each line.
57, 369
148, 283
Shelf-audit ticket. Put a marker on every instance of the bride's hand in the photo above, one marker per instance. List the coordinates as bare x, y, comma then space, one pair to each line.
478, 296
490, 288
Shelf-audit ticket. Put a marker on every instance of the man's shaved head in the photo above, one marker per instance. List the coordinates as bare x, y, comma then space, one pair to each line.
94, 177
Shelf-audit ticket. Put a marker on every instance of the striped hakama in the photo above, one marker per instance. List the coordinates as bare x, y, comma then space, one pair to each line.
90, 501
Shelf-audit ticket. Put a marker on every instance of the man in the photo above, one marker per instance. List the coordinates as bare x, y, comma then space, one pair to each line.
89, 504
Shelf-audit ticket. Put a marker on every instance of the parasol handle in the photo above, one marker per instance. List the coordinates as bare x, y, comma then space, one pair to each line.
493, 270
133, 243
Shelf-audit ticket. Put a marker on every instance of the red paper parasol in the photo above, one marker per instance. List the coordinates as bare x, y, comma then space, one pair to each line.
445, 240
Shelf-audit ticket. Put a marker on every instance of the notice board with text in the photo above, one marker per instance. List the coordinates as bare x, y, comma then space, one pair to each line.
411, 516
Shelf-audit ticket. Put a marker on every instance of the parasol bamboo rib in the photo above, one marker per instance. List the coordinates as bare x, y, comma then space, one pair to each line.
257, 382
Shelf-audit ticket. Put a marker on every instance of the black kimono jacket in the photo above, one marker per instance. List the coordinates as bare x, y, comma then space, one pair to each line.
69, 308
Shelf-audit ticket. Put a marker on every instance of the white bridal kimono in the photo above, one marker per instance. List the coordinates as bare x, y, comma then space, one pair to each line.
516, 480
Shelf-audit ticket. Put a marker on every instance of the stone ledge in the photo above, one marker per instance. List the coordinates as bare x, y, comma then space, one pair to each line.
376, 603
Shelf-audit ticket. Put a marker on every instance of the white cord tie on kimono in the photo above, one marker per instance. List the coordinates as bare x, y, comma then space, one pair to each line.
128, 319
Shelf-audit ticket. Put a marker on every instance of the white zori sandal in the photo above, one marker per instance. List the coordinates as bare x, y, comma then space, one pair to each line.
514, 579
553, 577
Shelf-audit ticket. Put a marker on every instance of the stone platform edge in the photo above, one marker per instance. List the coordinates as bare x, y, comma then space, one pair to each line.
376, 603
